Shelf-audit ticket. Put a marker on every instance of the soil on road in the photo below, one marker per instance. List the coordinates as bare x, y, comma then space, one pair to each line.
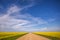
31, 36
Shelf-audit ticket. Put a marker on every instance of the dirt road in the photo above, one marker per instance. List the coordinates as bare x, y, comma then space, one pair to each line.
31, 36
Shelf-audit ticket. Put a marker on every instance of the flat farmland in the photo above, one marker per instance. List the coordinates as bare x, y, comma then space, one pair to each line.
11, 35
50, 35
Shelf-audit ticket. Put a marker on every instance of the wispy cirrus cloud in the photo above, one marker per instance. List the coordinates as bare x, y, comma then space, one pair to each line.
52, 29
16, 21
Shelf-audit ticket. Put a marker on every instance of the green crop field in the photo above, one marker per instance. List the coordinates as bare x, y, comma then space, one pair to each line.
11, 35
50, 35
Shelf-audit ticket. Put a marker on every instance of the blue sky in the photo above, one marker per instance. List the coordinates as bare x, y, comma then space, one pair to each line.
29, 15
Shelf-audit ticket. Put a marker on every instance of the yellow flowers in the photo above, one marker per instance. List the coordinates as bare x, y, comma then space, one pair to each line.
10, 34
53, 34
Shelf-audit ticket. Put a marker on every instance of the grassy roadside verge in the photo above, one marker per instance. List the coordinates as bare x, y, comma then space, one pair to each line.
50, 37
13, 37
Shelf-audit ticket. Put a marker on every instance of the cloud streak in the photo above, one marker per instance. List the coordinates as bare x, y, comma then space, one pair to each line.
16, 21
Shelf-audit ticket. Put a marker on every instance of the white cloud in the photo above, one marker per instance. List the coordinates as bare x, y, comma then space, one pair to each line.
13, 9
42, 29
50, 29
19, 21
53, 28
7, 21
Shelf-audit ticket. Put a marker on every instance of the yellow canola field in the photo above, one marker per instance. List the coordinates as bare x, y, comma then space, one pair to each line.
53, 34
9, 34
